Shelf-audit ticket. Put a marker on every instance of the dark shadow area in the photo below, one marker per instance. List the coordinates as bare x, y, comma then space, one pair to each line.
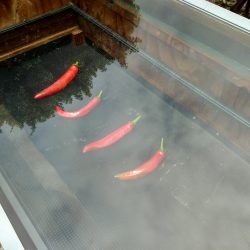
25, 75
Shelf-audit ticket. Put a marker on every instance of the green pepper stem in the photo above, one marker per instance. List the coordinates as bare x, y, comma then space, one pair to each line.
136, 120
100, 94
162, 145
76, 63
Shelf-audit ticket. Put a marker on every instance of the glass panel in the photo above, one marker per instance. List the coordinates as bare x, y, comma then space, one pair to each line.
74, 200
174, 70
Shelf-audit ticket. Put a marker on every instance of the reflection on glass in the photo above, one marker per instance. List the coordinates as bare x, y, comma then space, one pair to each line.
74, 200
24, 76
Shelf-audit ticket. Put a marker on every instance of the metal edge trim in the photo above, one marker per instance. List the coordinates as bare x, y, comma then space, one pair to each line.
22, 216
224, 15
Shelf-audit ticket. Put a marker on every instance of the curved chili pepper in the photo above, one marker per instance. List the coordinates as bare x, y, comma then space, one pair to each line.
81, 112
60, 84
113, 137
145, 168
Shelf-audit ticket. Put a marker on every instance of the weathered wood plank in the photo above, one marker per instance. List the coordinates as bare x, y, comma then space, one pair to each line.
37, 43
36, 34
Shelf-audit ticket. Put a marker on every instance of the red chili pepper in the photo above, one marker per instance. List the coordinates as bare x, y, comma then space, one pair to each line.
112, 138
60, 84
145, 168
81, 112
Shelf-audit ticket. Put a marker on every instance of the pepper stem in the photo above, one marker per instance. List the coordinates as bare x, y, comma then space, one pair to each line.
76, 63
100, 94
136, 120
162, 145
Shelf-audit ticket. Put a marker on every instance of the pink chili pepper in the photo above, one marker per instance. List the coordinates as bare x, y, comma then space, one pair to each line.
112, 138
145, 168
81, 112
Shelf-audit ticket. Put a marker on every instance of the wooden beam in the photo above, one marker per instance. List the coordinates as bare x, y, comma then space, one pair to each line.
38, 43
36, 33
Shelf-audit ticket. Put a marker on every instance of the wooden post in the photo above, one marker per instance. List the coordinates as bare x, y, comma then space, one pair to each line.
78, 37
